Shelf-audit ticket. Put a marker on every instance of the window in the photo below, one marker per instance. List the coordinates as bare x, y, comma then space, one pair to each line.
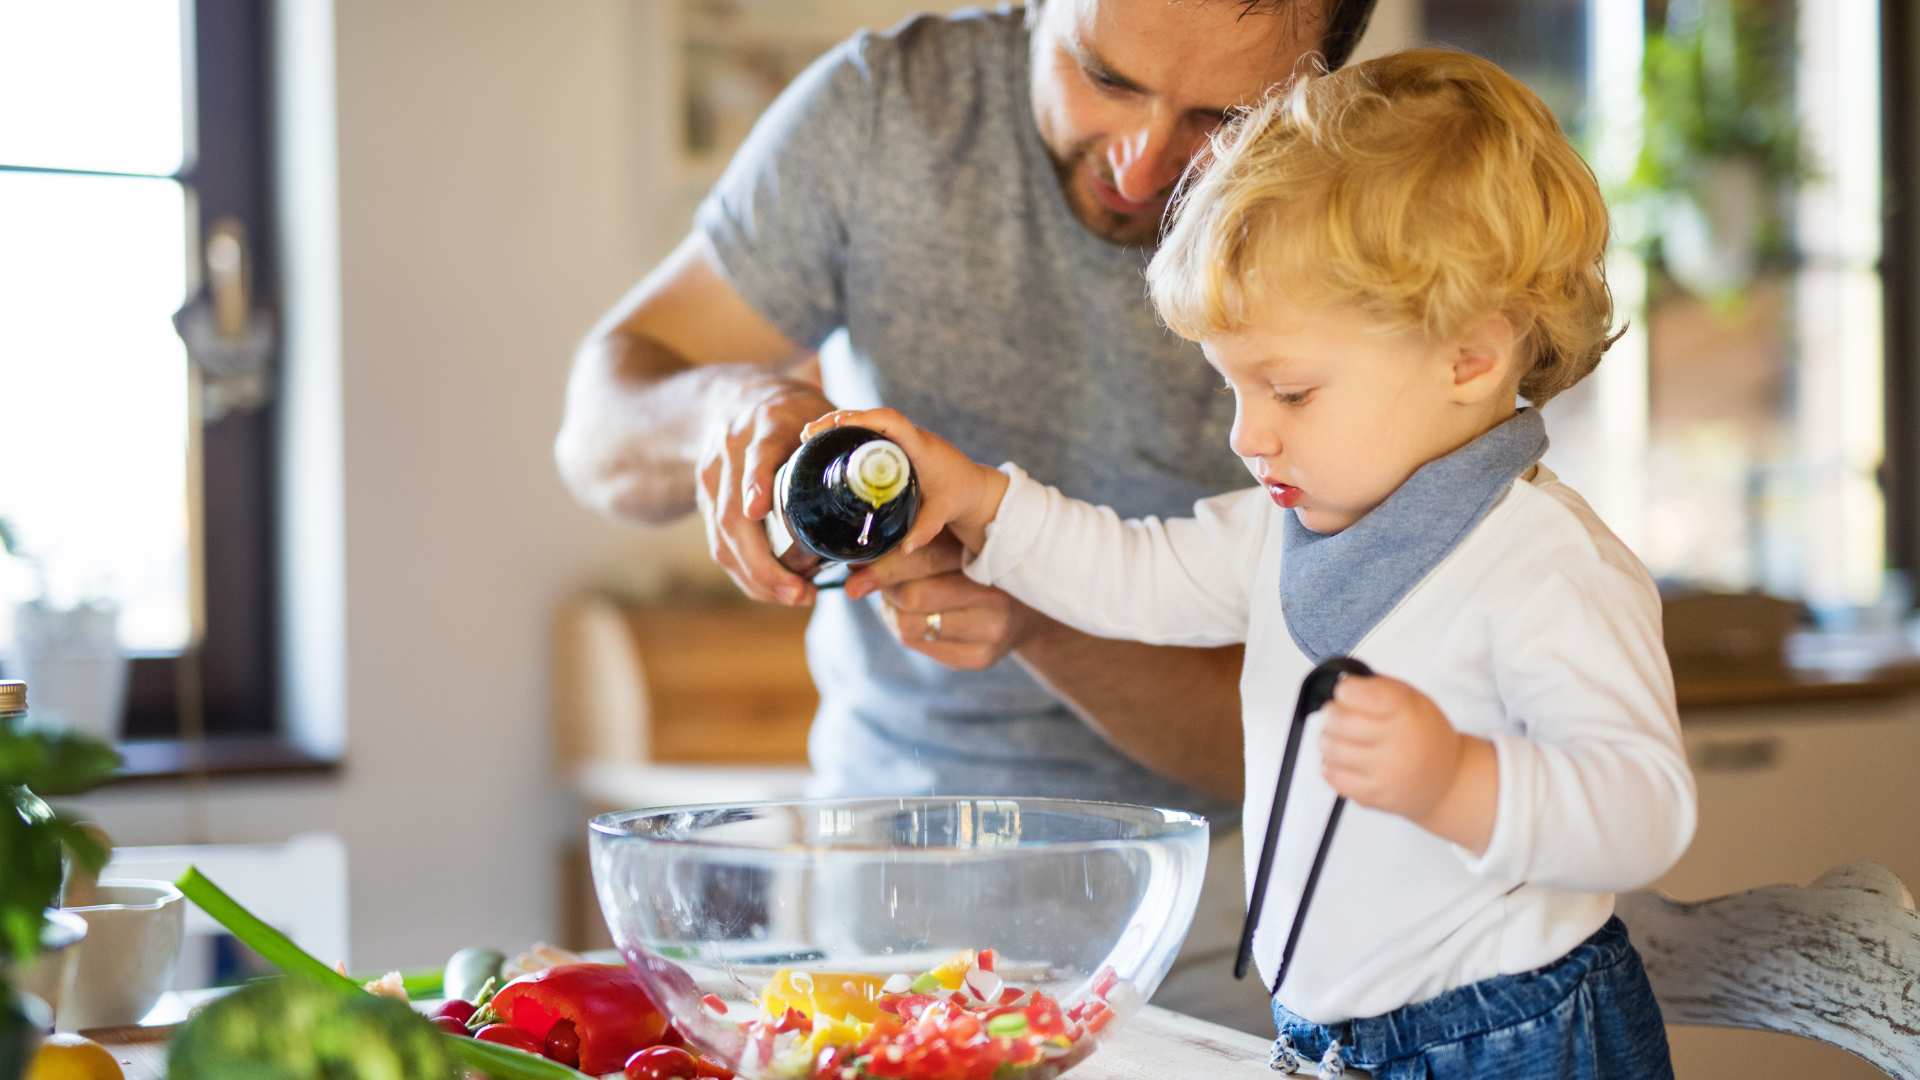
136, 129
1736, 437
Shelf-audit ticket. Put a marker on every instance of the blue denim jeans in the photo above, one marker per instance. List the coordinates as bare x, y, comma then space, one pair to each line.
1587, 1016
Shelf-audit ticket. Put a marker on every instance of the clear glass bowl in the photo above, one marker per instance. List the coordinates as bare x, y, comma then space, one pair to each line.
911, 938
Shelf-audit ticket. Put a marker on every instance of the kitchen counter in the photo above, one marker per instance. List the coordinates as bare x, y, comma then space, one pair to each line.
1703, 689
1155, 1045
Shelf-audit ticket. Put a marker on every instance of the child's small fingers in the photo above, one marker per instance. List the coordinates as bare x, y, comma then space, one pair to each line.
937, 510
1355, 730
1347, 782
926, 529
1367, 693
822, 423
1356, 722
888, 422
1337, 754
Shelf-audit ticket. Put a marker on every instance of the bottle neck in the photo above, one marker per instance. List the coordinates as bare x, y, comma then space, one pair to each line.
877, 472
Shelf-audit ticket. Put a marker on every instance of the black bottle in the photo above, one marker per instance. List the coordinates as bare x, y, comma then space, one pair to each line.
847, 495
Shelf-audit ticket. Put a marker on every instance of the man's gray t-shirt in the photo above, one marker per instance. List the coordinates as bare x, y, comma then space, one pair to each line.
899, 192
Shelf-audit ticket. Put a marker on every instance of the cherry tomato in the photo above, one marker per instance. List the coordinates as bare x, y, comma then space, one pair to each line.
563, 1044
449, 1025
457, 1009
508, 1035
662, 1063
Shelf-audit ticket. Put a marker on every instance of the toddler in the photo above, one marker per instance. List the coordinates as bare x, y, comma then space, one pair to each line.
1380, 263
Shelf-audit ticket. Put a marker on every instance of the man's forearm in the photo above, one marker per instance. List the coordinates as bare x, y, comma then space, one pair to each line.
1174, 710
636, 419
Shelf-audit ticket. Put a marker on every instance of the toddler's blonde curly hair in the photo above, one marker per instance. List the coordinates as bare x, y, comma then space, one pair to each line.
1428, 187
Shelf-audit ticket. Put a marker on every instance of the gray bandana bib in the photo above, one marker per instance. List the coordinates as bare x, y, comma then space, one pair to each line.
1336, 587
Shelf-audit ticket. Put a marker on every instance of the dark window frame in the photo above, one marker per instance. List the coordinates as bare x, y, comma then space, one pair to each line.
226, 176
1899, 156
231, 677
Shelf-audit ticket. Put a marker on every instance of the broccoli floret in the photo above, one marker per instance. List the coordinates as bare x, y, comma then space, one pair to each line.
291, 1029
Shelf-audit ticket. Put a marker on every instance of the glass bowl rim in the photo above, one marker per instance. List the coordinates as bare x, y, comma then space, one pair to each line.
608, 826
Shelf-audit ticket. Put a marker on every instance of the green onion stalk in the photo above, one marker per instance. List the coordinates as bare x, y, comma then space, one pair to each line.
497, 1061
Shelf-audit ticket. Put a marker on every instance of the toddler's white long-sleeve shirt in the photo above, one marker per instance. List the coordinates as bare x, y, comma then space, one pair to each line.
1539, 631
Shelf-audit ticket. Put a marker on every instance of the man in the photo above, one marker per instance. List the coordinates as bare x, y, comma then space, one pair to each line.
964, 206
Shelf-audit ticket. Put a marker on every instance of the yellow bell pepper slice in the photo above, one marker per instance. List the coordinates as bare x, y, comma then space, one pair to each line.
823, 994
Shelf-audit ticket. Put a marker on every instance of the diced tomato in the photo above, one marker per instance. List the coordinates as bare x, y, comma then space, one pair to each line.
910, 1006
562, 1044
1043, 1016
830, 1060
508, 1035
661, 1063
985, 960
1103, 982
963, 1028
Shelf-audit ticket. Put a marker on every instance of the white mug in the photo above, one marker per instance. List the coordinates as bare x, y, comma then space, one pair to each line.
126, 961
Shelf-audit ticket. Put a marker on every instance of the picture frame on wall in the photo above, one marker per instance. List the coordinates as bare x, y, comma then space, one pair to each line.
727, 60
733, 58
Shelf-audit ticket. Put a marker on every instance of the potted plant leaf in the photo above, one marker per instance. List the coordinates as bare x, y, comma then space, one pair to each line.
1722, 150
38, 846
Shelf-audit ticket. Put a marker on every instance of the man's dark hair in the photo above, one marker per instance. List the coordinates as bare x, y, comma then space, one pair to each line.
1346, 22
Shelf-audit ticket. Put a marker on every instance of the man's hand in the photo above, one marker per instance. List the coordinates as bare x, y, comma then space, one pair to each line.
734, 485
1389, 747
939, 612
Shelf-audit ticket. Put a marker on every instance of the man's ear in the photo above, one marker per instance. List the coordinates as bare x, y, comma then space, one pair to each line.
1483, 358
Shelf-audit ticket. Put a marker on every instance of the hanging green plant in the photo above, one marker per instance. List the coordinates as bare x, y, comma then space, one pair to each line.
1722, 146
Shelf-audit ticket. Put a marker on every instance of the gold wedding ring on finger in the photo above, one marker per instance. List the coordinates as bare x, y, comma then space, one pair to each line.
932, 630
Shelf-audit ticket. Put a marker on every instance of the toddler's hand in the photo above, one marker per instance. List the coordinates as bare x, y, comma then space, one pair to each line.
955, 491
1389, 747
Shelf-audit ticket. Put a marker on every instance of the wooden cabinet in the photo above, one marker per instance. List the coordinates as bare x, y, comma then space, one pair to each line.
1789, 792
682, 684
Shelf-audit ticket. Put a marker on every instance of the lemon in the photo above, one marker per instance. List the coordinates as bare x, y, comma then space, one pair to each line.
66, 1056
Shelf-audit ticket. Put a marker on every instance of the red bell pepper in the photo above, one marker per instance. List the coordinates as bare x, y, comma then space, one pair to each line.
610, 1012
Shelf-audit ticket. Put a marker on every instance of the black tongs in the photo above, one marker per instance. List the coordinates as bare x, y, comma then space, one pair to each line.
1315, 691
